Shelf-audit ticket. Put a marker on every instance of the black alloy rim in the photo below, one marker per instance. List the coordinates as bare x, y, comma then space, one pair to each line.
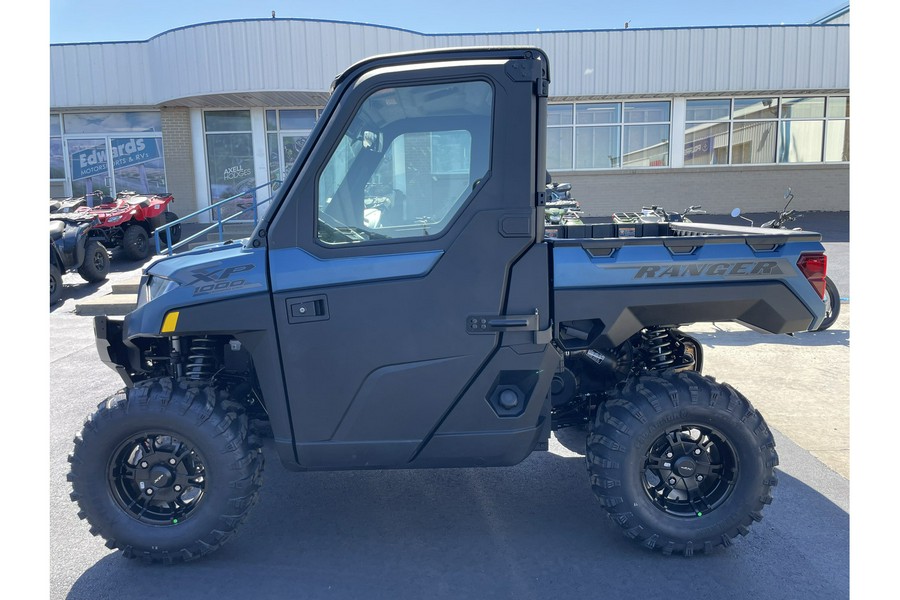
157, 478
140, 243
52, 284
99, 259
689, 471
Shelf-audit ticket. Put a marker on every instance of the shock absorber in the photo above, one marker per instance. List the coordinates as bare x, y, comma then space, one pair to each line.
201, 360
660, 354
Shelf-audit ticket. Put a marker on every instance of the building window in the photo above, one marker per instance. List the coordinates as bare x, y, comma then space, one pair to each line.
286, 133
229, 156
802, 129
57, 159
109, 152
706, 136
837, 129
560, 136
608, 135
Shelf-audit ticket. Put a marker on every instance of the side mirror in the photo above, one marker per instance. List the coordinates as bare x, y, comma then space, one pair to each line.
372, 141
736, 213
788, 194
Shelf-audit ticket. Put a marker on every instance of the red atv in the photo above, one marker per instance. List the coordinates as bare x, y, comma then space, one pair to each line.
130, 220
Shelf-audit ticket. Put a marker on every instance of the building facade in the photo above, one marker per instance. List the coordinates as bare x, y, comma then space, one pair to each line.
715, 116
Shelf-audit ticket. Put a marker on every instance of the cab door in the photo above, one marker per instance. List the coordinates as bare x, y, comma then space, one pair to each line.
408, 288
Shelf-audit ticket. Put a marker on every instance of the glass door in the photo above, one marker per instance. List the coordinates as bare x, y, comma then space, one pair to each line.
287, 131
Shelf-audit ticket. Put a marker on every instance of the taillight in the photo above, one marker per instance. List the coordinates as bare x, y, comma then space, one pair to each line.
814, 267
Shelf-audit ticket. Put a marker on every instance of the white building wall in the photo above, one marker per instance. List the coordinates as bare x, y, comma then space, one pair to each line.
304, 55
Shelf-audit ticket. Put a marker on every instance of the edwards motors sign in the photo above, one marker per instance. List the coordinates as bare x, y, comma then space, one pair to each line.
126, 152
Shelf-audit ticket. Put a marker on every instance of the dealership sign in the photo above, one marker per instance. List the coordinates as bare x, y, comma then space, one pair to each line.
126, 152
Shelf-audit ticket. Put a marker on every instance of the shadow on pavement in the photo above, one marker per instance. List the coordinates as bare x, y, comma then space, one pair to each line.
530, 531
77, 291
748, 337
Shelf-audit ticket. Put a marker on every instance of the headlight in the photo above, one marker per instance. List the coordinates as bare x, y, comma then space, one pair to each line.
156, 287
114, 219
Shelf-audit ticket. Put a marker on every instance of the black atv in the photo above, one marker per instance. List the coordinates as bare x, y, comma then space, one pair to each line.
71, 249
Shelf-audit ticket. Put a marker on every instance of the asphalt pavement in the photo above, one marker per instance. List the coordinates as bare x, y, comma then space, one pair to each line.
529, 531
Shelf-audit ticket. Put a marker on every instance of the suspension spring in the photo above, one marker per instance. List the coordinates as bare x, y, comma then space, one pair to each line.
201, 361
660, 354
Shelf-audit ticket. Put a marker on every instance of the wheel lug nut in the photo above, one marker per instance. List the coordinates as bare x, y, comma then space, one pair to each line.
672, 481
172, 461
144, 464
177, 488
149, 491
698, 451
699, 477
669, 455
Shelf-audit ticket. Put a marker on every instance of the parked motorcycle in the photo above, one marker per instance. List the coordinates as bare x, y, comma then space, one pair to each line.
832, 297
72, 249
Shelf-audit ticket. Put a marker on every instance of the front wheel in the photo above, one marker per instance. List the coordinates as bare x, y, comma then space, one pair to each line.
164, 471
96, 262
136, 243
832, 304
683, 464
56, 284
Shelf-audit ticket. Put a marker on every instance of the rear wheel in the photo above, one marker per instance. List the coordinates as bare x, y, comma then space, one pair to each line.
683, 464
96, 262
56, 284
165, 471
136, 243
832, 305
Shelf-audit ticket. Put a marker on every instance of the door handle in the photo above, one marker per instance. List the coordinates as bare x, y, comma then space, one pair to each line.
307, 308
477, 324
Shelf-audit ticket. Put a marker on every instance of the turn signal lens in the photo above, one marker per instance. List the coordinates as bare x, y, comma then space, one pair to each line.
170, 322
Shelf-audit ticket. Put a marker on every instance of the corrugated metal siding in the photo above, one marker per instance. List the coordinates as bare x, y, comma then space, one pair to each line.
99, 75
304, 55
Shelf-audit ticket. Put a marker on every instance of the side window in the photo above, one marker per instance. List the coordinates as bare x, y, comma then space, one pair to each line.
407, 163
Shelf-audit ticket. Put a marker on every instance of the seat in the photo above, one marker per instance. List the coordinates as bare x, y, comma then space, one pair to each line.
56, 229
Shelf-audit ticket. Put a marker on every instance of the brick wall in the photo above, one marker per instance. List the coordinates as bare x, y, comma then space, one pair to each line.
178, 152
718, 190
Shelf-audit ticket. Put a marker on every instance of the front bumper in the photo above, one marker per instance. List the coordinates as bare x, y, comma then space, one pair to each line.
112, 348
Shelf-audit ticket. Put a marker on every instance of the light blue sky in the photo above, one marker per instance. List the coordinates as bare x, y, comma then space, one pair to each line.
112, 20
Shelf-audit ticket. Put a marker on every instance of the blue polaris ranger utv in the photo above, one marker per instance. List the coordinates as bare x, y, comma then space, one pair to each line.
400, 306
